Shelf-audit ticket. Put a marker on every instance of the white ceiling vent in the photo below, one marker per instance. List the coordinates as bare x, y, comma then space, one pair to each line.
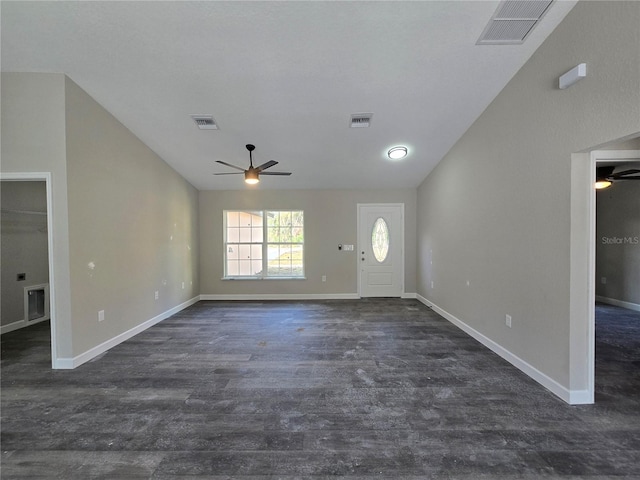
361, 120
513, 21
205, 122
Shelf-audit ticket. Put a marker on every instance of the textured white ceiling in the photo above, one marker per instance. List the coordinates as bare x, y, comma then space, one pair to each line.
285, 76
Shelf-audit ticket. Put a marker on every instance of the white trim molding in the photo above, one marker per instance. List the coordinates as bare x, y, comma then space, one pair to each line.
571, 397
618, 303
10, 327
280, 296
70, 363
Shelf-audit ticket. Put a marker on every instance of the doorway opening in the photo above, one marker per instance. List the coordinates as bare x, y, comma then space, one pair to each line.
617, 275
27, 240
583, 263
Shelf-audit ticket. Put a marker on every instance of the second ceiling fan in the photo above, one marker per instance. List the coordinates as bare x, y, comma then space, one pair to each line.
252, 174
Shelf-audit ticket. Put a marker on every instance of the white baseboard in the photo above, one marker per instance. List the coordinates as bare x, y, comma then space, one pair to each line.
70, 363
281, 296
409, 295
10, 327
618, 303
572, 397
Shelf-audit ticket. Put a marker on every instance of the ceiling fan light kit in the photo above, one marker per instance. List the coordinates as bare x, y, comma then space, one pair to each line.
606, 175
396, 153
251, 177
600, 184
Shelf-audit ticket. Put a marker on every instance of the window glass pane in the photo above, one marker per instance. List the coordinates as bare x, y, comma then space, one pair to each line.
297, 219
233, 234
273, 262
297, 261
273, 219
380, 240
256, 267
285, 219
245, 219
256, 219
256, 234
233, 219
245, 267
285, 234
244, 251
245, 234
256, 252
273, 235
232, 251
232, 267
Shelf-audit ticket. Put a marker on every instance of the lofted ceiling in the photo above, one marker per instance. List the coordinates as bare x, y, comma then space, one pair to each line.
285, 76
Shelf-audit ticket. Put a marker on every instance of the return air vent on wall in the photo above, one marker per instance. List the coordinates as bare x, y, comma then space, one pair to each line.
513, 21
205, 122
361, 120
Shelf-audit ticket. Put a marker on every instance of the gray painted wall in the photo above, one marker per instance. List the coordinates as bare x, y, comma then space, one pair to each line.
38, 99
330, 219
133, 226
618, 242
23, 241
497, 212
129, 220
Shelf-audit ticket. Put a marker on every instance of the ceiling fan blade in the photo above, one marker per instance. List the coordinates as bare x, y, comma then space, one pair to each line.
604, 172
229, 173
229, 165
275, 173
623, 175
264, 166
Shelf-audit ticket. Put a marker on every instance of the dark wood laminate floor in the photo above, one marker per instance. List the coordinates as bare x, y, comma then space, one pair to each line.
363, 389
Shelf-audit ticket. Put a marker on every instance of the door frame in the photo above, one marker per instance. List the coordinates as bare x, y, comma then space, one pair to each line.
402, 245
582, 289
46, 177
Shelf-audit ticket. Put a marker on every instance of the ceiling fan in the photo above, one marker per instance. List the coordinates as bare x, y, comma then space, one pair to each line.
252, 174
605, 176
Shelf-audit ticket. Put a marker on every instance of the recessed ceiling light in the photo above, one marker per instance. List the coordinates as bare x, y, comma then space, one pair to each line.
396, 153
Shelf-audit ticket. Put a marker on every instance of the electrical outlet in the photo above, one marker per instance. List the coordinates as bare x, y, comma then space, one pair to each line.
101, 315
507, 321
183, 285
468, 283
157, 295
324, 278
431, 283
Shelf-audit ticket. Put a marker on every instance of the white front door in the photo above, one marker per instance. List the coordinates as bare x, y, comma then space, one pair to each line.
380, 250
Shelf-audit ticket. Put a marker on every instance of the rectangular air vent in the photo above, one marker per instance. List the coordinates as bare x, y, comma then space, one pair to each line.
205, 122
513, 21
361, 120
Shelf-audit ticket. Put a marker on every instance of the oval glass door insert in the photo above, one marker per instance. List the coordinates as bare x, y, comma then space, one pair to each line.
380, 240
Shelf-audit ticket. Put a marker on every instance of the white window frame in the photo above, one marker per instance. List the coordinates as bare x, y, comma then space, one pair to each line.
264, 273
